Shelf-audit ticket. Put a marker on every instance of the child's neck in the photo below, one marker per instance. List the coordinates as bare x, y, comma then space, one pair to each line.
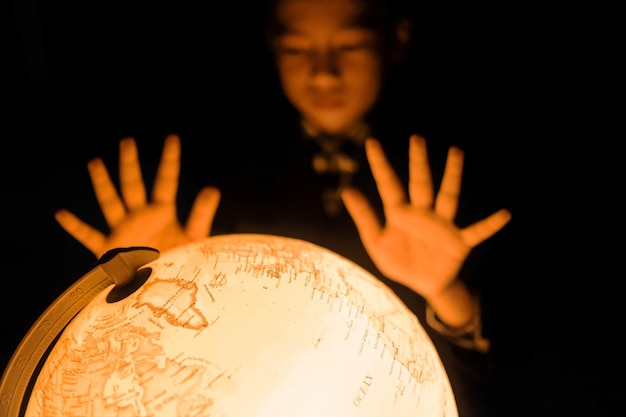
356, 133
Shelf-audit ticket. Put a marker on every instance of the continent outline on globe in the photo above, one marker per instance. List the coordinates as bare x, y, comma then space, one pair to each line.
246, 325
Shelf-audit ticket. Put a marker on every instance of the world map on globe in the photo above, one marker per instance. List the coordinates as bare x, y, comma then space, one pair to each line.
245, 325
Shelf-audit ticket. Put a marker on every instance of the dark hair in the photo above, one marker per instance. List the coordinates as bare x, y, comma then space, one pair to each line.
377, 11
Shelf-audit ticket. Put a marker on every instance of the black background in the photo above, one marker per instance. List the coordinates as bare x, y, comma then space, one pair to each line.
511, 84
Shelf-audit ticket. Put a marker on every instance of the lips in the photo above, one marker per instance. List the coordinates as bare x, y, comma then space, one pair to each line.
327, 103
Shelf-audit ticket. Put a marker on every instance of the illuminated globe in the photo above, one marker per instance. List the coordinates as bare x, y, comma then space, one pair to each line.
244, 325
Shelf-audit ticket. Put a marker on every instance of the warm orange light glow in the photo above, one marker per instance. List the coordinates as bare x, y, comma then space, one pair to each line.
251, 325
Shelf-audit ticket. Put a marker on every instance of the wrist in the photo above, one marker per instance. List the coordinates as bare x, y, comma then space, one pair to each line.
468, 336
455, 306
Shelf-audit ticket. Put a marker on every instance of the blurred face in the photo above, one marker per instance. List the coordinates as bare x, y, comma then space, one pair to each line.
329, 65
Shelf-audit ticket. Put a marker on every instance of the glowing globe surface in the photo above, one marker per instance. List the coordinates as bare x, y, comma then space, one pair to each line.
246, 325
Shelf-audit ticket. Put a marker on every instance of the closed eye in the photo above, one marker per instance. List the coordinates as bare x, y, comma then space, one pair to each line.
292, 50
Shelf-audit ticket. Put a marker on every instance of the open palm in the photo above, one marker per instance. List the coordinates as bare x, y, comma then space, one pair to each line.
132, 219
419, 246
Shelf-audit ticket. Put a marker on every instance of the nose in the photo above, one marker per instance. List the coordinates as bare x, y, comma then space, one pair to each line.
325, 66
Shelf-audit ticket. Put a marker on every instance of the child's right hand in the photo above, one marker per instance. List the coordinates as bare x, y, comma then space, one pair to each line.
132, 219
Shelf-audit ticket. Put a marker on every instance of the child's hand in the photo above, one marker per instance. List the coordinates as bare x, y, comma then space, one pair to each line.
132, 220
419, 246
